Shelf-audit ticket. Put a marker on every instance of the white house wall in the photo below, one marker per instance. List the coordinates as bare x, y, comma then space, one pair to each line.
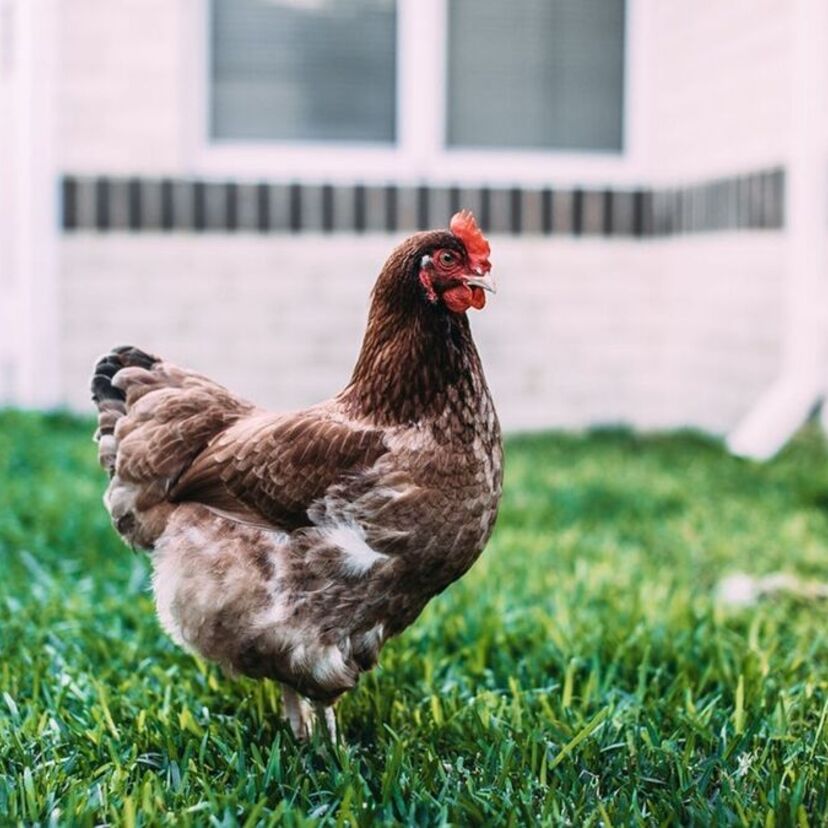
581, 331
683, 330
719, 98
122, 92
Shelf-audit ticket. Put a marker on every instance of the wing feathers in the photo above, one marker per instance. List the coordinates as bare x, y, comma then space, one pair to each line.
278, 466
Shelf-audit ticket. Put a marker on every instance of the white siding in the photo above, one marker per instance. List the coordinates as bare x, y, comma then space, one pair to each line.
656, 333
123, 94
581, 331
720, 93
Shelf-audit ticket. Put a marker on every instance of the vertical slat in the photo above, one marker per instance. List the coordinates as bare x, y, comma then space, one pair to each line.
644, 213
359, 208
485, 217
231, 206
327, 209
263, 207
422, 208
295, 208
135, 209
167, 207
199, 206
547, 211
515, 211
779, 205
69, 202
102, 203
391, 208
577, 212
608, 218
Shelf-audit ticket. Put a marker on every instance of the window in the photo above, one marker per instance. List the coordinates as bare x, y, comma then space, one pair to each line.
303, 70
545, 74
451, 90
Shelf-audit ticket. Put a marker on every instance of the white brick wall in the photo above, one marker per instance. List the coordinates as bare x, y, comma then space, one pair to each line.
123, 94
657, 334
719, 93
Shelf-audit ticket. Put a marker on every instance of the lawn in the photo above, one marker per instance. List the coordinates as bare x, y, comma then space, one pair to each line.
583, 672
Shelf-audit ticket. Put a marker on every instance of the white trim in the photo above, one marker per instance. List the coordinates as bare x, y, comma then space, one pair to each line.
420, 153
421, 31
638, 68
193, 82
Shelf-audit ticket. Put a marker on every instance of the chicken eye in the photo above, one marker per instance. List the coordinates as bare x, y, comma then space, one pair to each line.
447, 258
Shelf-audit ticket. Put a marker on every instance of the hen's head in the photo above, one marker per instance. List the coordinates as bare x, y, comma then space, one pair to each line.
418, 341
447, 270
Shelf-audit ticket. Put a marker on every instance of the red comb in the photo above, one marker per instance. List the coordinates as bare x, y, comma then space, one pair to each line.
464, 226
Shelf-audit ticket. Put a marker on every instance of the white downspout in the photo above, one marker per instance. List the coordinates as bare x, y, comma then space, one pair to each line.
33, 334
802, 382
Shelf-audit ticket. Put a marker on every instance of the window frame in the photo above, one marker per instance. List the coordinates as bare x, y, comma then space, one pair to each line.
420, 152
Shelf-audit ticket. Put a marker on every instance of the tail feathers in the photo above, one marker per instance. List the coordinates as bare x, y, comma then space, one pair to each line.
153, 419
111, 400
107, 366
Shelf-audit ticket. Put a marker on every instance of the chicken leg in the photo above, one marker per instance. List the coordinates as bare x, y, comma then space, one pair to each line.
304, 717
299, 714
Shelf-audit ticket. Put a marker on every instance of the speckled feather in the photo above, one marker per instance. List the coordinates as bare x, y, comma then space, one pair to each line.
292, 546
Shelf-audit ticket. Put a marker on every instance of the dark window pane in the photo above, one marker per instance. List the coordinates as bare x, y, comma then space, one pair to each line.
320, 70
536, 74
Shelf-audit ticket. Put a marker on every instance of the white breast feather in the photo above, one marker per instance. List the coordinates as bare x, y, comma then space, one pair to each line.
357, 556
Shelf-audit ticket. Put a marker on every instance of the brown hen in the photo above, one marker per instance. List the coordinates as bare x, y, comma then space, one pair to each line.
293, 545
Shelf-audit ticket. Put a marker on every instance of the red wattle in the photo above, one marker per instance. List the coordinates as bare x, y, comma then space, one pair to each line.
459, 299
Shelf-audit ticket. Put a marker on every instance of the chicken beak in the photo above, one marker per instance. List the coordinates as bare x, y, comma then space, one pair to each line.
482, 280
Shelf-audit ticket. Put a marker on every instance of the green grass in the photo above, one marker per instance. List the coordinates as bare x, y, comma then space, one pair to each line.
582, 672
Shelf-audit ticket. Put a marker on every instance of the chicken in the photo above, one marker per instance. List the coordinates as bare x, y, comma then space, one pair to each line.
292, 546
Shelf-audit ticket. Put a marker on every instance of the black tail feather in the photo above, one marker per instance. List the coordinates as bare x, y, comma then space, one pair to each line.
107, 366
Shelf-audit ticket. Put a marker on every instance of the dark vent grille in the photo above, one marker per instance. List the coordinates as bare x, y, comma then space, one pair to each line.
755, 201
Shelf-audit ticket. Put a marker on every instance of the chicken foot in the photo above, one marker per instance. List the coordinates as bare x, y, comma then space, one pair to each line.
304, 717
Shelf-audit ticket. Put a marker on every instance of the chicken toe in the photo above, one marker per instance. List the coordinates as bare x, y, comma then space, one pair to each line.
299, 714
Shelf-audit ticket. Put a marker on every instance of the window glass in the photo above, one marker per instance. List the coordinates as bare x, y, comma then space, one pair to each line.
546, 74
294, 70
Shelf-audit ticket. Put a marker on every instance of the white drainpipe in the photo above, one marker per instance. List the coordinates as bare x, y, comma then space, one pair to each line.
31, 233
804, 377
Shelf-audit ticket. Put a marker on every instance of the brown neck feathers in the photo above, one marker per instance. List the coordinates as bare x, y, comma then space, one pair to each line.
417, 359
